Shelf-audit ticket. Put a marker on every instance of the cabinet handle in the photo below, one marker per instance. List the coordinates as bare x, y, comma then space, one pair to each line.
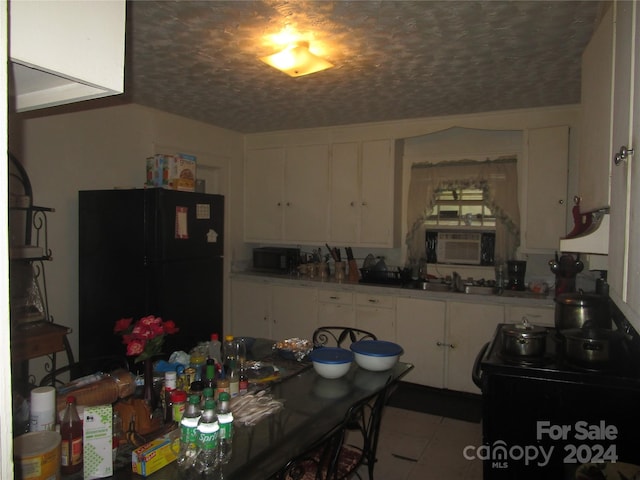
334, 298
561, 201
622, 155
279, 204
373, 300
364, 204
442, 344
353, 204
288, 204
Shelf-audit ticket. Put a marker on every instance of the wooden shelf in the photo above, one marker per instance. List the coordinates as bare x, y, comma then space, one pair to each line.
37, 339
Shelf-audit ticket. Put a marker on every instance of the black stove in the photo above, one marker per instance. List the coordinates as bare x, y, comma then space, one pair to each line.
576, 415
622, 369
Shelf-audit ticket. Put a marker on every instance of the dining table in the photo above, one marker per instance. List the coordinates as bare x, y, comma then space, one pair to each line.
311, 407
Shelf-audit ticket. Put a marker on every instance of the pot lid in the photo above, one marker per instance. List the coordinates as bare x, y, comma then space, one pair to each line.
331, 355
376, 348
525, 329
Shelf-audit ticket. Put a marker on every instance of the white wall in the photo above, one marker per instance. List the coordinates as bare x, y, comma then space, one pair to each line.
101, 149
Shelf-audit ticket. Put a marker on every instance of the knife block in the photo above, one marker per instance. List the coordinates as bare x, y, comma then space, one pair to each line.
354, 273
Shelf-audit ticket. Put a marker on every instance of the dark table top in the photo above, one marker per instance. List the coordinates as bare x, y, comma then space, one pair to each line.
312, 407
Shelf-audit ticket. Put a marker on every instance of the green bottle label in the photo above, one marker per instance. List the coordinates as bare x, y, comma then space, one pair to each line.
226, 430
208, 440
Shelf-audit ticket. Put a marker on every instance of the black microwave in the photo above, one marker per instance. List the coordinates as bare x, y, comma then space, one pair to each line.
276, 259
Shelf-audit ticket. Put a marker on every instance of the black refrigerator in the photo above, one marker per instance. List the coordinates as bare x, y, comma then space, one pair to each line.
149, 252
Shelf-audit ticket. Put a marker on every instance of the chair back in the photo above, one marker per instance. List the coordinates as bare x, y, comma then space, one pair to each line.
335, 336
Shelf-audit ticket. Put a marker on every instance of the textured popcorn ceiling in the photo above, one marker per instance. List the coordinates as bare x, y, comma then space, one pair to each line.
393, 59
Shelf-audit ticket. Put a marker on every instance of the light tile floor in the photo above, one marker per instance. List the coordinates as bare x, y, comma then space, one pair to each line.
419, 446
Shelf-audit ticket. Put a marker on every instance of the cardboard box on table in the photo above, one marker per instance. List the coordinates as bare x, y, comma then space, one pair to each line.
97, 441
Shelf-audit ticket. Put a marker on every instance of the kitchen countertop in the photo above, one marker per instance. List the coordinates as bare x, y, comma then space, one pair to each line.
507, 298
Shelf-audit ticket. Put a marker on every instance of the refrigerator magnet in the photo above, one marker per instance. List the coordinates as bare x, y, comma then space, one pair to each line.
212, 236
182, 230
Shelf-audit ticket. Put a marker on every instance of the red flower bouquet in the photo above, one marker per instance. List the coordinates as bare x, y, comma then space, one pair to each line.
145, 337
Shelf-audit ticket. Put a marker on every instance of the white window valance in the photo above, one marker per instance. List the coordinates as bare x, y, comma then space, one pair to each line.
498, 178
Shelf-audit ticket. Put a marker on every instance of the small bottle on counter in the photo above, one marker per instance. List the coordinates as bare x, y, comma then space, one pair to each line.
234, 382
71, 433
210, 374
170, 385
243, 381
222, 386
178, 404
215, 348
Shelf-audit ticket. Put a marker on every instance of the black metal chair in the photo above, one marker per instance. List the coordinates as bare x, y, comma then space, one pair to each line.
334, 457
335, 336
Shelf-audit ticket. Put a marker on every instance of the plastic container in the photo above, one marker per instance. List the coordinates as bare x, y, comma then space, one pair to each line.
215, 348
43, 409
37, 455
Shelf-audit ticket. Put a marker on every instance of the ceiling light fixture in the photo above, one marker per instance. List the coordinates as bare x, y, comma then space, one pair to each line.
296, 60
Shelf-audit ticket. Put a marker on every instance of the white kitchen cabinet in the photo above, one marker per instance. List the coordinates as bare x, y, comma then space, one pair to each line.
287, 194
543, 316
363, 176
624, 236
250, 308
544, 216
294, 310
594, 170
336, 308
420, 330
469, 327
376, 313
64, 52
260, 308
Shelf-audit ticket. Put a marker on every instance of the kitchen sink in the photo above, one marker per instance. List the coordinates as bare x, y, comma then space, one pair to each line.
479, 290
431, 286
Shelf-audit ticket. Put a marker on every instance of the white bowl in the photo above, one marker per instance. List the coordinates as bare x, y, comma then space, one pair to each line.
376, 355
331, 362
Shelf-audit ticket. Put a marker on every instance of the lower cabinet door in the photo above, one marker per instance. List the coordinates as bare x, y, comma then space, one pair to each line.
469, 327
294, 312
250, 307
420, 329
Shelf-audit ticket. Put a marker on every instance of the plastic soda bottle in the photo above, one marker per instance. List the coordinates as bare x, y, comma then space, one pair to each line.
225, 421
207, 460
71, 432
188, 434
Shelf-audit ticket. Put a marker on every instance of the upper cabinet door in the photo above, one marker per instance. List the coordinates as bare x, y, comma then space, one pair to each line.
64, 52
377, 204
345, 193
264, 194
545, 211
624, 237
363, 204
306, 203
595, 145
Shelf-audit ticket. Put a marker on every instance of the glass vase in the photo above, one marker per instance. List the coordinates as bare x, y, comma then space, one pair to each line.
150, 396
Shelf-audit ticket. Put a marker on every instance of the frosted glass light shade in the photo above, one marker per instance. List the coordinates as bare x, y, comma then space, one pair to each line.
296, 61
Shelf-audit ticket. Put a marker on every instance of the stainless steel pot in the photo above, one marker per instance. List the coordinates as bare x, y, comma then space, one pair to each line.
524, 340
577, 310
590, 346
